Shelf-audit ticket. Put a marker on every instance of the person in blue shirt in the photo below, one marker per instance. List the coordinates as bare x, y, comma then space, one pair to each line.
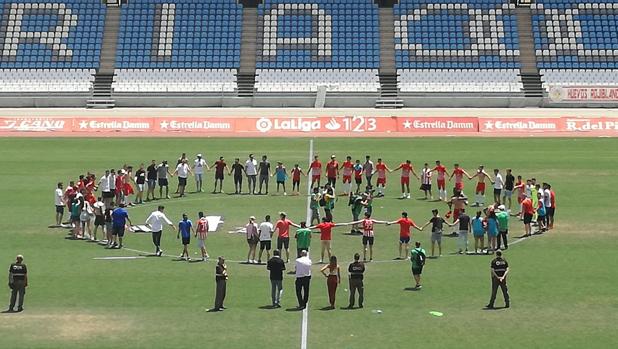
492, 231
479, 232
120, 216
185, 228
282, 176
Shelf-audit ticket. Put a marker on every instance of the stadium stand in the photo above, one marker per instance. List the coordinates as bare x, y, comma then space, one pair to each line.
178, 46
305, 44
470, 46
49, 46
576, 42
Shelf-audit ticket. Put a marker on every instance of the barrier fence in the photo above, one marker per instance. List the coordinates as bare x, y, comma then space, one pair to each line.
318, 126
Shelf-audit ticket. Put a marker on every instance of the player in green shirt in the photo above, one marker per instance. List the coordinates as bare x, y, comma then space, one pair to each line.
503, 226
303, 238
417, 257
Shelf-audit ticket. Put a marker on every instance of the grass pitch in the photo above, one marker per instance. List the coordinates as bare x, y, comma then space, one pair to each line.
562, 284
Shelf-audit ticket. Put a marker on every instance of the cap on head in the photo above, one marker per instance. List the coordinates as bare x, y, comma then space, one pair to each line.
199, 155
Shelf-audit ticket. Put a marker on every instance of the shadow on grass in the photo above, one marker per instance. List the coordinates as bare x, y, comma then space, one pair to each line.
413, 289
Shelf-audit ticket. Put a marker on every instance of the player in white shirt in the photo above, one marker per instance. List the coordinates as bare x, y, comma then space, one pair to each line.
265, 230
182, 170
60, 203
251, 171
426, 181
155, 221
104, 187
498, 186
198, 169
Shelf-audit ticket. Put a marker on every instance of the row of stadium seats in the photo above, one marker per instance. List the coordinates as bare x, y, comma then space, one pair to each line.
175, 80
46, 80
308, 80
455, 80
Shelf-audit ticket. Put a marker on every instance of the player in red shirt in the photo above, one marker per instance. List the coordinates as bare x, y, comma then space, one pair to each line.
552, 209
459, 172
381, 169
332, 171
316, 171
441, 180
296, 173
479, 198
405, 227
528, 212
282, 228
220, 167
348, 169
325, 236
406, 168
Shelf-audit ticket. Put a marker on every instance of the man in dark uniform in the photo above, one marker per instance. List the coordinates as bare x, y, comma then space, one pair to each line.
356, 270
221, 281
499, 271
18, 281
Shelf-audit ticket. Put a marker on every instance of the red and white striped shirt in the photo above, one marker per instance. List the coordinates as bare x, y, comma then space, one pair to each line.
367, 227
426, 176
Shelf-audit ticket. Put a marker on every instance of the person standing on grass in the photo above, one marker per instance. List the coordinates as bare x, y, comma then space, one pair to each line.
183, 171
140, 181
499, 271
276, 267
155, 221
480, 186
325, 228
59, 202
185, 227
303, 239
265, 230
478, 231
151, 178
220, 168
356, 270
316, 171
199, 165
358, 175
464, 229
498, 186
503, 227
437, 224
332, 273
381, 170
296, 172
120, 217
221, 284
282, 176
549, 197
99, 216
253, 237
329, 198
108, 223
103, 186
426, 182
332, 171
163, 170
368, 169
314, 205
458, 173
492, 231
347, 168
238, 169
528, 212
282, 228
405, 226
18, 281
406, 168
441, 179
264, 173
251, 171
368, 234
509, 186
303, 279
418, 258
201, 233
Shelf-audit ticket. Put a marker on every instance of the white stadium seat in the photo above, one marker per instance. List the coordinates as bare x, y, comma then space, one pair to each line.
46, 80
308, 80
455, 80
175, 80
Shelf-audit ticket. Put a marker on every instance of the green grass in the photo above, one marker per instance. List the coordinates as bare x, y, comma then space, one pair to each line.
563, 284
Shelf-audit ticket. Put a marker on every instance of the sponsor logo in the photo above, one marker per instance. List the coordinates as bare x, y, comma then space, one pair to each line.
292, 124
332, 125
33, 124
194, 125
519, 125
588, 125
438, 125
113, 125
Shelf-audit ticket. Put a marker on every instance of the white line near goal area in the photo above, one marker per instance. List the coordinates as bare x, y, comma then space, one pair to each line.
305, 321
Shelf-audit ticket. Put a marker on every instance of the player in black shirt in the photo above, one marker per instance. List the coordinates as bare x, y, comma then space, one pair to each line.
356, 270
140, 180
18, 281
509, 185
276, 267
499, 271
238, 169
221, 283
151, 177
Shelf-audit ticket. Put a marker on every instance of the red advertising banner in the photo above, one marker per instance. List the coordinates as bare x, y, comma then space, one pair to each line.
597, 126
583, 94
112, 125
35, 124
520, 125
437, 124
196, 124
340, 125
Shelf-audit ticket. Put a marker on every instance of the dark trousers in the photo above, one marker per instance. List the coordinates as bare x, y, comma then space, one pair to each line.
356, 285
502, 237
494, 290
19, 288
251, 183
302, 290
220, 293
156, 239
331, 284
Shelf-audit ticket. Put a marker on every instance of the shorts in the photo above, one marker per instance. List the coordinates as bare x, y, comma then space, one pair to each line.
113, 192
404, 240
441, 184
264, 178
280, 182
436, 237
508, 193
201, 243
60, 209
459, 186
367, 240
527, 218
492, 234
296, 182
417, 270
456, 213
163, 182
315, 214
381, 181
504, 232
497, 191
182, 181
252, 242
107, 194
199, 177
426, 187
347, 179
550, 211
108, 228
283, 242
152, 183
358, 180
99, 221
479, 234
140, 187
266, 244
219, 176
315, 178
480, 187
405, 180
186, 240
118, 231
237, 179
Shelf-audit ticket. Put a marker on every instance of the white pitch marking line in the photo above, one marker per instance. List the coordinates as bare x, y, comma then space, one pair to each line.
305, 322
